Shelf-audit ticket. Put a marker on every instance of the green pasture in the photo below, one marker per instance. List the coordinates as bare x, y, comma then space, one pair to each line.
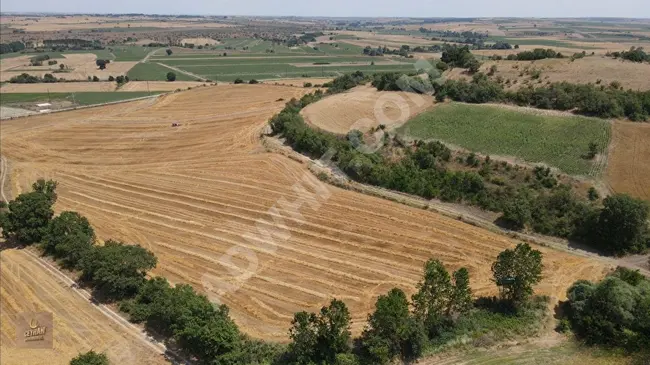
559, 141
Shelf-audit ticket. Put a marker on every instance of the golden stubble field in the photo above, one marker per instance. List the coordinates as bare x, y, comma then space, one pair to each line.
628, 170
200, 192
27, 286
364, 108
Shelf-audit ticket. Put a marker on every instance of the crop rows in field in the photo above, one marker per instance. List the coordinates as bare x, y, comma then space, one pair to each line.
557, 140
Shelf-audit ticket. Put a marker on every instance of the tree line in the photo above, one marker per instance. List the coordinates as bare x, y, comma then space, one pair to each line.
634, 55
617, 226
443, 308
602, 101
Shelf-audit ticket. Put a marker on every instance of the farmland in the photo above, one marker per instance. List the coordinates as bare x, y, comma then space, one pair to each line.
154, 72
192, 193
77, 98
364, 108
533, 136
79, 326
628, 170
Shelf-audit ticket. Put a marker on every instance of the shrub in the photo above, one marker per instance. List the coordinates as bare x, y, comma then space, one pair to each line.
171, 76
238, 81
253, 81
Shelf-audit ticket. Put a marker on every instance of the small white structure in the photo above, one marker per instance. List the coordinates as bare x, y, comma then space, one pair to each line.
43, 105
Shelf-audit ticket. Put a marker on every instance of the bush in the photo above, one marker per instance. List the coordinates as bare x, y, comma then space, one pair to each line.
90, 358
307, 84
171, 76
253, 82
238, 81
95, 78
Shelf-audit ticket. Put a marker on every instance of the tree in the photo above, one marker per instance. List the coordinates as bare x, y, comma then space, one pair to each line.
391, 331
622, 224
214, 341
101, 64
61, 67
117, 270
516, 271
68, 236
90, 358
169, 52
473, 66
431, 302
461, 294
95, 78
28, 216
320, 337
111, 78
171, 76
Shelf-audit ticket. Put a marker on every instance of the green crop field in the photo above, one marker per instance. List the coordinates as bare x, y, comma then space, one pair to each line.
131, 53
81, 98
558, 141
539, 42
154, 72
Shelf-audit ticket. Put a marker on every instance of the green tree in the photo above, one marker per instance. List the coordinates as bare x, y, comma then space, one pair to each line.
90, 358
431, 302
101, 64
461, 294
215, 341
516, 271
95, 78
391, 331
28, 216
171, 76
320, 337
169, 52
70, 237
622, 224
117, 270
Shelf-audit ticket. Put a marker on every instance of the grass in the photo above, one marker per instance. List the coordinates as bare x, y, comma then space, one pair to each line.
539, 42
80, 98
558, 141
154, 72
131, 53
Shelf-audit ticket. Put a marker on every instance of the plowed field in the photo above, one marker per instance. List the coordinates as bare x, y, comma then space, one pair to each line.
628, 170
194, 192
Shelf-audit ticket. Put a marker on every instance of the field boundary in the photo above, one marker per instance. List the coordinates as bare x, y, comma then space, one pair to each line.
94, 105
462, 213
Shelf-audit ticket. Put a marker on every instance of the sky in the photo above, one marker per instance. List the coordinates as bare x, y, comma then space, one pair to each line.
343, 8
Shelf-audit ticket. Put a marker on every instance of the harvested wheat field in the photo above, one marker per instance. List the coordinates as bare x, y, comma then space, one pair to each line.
628, 170
364, 108
586, 70
206, 191
199, 41
79, 326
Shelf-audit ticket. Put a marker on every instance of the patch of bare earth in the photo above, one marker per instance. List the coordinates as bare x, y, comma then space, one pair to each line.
628, 169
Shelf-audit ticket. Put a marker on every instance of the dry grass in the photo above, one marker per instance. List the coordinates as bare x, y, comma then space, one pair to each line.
193, 192
585, 70
364, 108
45, 24
199, 41
78, 325
628, 170
79, 66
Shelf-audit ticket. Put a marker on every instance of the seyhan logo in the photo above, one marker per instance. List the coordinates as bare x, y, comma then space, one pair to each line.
34, 330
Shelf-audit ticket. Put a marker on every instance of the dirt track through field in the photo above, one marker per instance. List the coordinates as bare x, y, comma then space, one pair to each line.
193, 192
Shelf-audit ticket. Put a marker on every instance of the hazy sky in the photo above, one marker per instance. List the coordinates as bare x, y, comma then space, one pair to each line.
398, 8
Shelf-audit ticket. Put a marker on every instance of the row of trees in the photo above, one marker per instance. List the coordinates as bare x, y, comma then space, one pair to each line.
206, 334
399, 328
11, 47
634, 55
536, 54
116, 272
424, 170
591, 100
26, 78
